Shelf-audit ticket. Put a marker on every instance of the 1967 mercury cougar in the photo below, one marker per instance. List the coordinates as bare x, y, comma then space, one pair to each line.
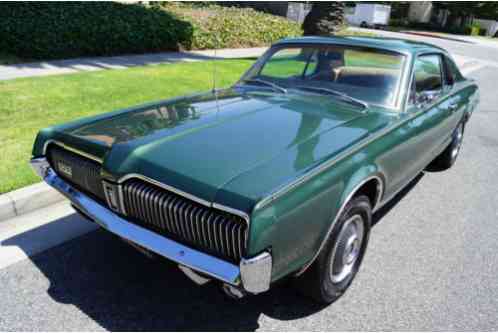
276, 176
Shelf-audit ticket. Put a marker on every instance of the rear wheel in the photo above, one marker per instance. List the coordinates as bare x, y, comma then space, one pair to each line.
338, 262
448, 157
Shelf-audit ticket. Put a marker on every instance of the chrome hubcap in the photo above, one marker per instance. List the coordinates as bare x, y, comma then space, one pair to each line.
347, 249
458, 142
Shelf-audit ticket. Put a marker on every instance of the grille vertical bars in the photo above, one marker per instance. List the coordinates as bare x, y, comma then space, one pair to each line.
218, 232
78, 170
215, 231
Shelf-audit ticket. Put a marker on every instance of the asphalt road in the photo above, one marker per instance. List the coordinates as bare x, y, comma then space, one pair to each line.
432, 264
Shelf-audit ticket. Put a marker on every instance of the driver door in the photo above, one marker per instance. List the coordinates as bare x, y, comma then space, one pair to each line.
431, 102
426, 126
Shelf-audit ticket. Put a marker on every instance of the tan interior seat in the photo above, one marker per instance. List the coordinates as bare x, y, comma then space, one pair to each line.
366, 76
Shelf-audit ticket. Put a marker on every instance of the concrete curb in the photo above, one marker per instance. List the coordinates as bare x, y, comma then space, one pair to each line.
27, 199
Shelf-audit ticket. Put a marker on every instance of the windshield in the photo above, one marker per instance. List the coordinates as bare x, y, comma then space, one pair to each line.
367, 75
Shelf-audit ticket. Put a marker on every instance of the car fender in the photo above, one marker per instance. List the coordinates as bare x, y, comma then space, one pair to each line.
359, 178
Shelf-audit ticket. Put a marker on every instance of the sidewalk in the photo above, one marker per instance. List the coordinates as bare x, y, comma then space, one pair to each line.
100, 63
457, 38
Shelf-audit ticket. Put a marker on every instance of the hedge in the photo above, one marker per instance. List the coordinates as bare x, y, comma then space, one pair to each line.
48, 30
232, 27
55, 30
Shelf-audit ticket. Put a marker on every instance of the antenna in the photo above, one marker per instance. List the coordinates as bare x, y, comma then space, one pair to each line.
214, 63
214, 74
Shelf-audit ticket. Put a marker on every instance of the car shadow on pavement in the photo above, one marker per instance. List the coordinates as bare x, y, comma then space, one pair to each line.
123, 290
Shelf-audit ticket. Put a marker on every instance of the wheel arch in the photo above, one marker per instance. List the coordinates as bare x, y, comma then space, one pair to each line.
369, 181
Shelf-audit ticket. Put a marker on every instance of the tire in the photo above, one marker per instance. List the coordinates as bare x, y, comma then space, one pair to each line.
448, 157
334, 269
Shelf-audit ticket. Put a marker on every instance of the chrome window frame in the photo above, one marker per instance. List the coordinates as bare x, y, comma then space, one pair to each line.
397, 106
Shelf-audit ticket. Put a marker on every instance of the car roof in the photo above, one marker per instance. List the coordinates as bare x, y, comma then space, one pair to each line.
389, 44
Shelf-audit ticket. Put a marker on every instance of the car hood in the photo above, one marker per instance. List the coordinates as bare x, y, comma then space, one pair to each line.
244, 142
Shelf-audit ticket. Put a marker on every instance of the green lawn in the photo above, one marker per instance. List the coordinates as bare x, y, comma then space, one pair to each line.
27, 105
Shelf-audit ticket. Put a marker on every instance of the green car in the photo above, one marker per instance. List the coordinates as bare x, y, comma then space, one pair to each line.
277, 176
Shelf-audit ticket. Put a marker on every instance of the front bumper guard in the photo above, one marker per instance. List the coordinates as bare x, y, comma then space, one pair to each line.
253, 274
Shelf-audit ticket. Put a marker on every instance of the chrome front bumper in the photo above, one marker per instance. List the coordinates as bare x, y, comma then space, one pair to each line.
253, 274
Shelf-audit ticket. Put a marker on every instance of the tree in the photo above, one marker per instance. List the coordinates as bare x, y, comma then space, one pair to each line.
468, 9
324, 19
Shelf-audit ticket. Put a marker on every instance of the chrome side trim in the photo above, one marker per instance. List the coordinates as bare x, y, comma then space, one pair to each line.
339, 213
256, 273
203, 202
71, 149
289, 187
380, 191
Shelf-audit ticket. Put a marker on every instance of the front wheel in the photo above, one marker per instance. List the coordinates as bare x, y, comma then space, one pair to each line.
339, 260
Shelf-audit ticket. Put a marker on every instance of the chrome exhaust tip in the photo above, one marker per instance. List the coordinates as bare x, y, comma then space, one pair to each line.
233, 292
194, 276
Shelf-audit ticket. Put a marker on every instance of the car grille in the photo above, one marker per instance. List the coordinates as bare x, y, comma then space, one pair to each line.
212, 230
79, 171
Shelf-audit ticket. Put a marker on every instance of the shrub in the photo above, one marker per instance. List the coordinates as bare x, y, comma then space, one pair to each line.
230, 27
51, 30
55, 30
399, 22
428, 26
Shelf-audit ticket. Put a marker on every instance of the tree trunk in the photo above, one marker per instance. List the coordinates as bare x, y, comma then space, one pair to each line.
324, 19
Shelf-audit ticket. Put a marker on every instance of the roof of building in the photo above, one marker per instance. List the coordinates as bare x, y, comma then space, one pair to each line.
391, 44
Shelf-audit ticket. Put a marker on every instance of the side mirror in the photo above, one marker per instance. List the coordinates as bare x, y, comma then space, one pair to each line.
425, 97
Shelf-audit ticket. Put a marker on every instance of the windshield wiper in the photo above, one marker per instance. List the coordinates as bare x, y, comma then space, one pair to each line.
336, 93
267, 83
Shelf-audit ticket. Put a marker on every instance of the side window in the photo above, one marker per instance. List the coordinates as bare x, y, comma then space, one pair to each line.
427, 77
289, 62
428, 73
